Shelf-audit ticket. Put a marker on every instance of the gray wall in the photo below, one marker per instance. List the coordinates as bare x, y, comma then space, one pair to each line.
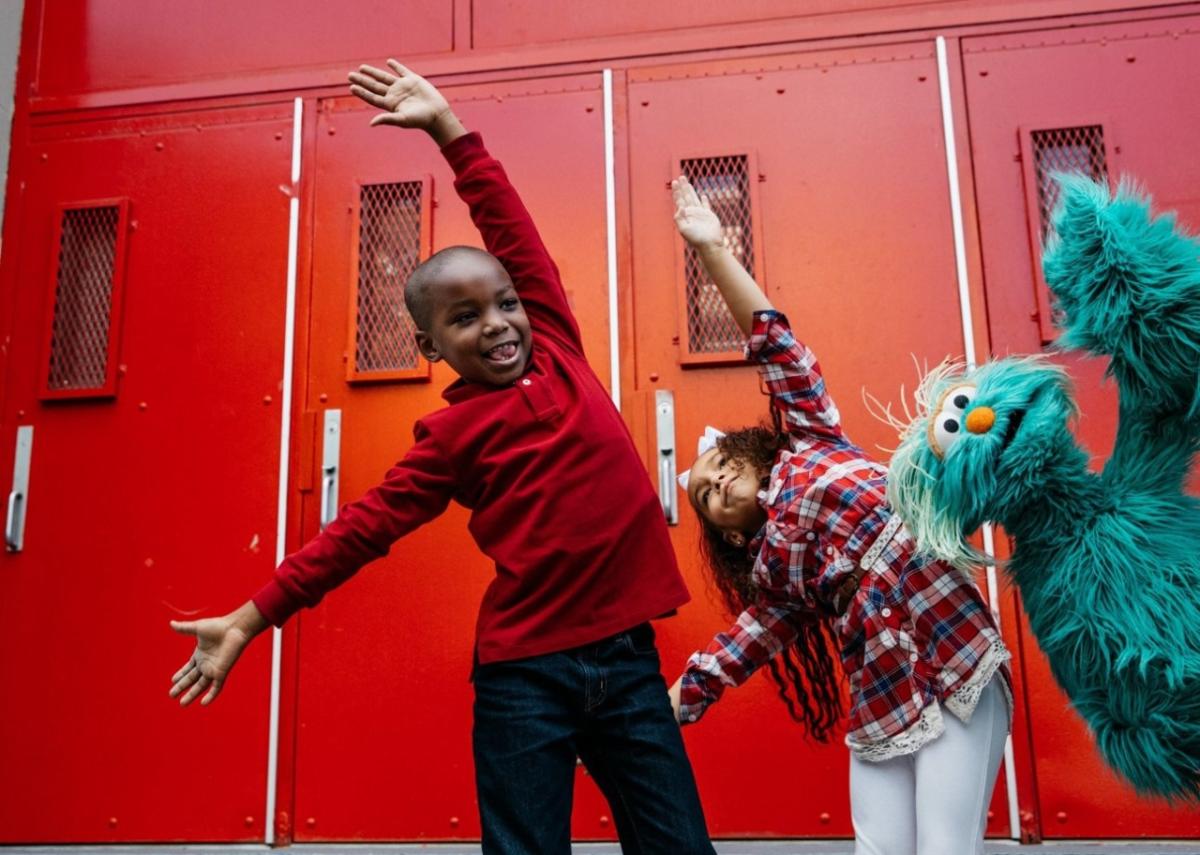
10, 38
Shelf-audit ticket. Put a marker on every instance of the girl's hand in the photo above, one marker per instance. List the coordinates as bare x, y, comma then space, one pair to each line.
694, 217
673, 694
219, 643
407, 99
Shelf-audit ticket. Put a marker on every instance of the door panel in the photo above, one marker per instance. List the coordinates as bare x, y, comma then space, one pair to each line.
1134, 80
857, 249
155, 504
384, 718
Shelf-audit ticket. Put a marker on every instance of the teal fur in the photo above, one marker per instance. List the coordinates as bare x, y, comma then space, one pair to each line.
1108, 563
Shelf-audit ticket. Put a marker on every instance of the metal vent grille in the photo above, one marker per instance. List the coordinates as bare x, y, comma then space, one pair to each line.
83, 296
726, 183
389, 249
1079, 149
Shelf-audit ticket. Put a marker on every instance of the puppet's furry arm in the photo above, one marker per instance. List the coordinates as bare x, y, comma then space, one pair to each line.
1128, 287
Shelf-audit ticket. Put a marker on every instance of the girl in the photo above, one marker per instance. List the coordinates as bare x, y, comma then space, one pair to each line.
801, 541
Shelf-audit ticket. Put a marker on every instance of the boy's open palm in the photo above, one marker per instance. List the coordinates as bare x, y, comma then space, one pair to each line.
694, 216
407, 99
219, 643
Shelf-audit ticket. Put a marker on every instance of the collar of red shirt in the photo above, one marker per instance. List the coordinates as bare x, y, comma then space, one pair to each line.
464, 390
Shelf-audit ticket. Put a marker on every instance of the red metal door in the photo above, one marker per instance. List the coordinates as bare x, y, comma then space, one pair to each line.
384, 705
1121, 94
845, 200
153, 483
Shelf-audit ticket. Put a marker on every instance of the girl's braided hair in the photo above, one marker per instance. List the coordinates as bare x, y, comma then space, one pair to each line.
806, 667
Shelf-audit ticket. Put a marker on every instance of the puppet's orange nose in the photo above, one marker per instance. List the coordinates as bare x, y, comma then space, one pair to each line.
981, 419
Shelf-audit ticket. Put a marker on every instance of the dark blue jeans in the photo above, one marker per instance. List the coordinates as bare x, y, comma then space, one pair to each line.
607, 703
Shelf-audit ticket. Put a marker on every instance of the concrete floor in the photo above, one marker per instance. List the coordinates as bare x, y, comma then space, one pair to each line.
752, 847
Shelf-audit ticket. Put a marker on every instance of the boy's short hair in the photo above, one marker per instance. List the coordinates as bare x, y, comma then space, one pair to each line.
417, 297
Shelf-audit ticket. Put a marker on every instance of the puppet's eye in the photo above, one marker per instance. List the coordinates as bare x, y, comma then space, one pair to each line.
946, 427
958, 398
946, 431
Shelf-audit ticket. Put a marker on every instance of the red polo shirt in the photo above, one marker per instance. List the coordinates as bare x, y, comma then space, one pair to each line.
558, 495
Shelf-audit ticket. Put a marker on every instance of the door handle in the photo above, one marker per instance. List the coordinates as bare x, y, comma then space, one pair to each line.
330, 463
12, 538
18, 497
664, 419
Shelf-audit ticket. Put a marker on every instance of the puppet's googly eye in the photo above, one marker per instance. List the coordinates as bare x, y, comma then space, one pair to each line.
958, 399
947, 426
946, 431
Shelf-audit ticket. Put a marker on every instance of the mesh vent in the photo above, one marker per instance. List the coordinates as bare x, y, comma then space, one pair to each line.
726, 183
1078, 150
79, 338
389, 249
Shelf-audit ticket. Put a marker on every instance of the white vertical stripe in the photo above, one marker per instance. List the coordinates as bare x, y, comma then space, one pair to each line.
610, 221
960, 244
285, 438
993, 590
968, 333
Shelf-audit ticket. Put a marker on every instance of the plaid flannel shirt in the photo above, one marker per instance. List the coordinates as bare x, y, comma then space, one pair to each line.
917, 635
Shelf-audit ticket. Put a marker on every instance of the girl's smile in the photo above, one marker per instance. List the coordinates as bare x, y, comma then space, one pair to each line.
725, 492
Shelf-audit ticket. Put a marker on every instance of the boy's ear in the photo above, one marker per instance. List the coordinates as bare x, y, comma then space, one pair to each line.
735, 538
428, 348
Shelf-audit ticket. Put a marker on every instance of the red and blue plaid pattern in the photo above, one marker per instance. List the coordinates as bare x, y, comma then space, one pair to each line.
917, 633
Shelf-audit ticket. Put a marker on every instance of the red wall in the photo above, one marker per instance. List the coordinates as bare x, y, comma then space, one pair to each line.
160, 501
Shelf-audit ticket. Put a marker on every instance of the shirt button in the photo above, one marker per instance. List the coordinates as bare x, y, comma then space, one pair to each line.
526, 382
810, 536
829, 550
691, 718
885, 611
912, 657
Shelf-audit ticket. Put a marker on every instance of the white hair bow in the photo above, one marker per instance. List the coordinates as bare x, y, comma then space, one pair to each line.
707, 442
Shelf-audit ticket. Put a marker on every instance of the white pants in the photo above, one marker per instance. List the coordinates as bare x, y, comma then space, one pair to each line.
933, 802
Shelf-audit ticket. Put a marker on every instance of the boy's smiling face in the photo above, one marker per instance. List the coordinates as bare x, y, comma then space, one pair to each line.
476, 321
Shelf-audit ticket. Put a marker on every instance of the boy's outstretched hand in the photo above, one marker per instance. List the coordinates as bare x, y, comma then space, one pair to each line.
407, 99
219, 643
694, 217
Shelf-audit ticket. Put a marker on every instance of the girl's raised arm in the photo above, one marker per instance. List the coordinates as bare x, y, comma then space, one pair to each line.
789, 369
700, 227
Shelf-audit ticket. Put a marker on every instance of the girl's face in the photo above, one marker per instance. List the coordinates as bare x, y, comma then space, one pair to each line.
725, 492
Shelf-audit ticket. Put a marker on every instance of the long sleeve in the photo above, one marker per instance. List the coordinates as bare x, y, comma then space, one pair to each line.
414, 491
509, 234
760, 633
792, 376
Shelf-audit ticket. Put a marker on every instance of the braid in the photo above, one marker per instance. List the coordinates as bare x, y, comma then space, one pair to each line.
808, 673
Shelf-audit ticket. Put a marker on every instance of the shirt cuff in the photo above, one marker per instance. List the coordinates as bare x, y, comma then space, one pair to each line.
274, 603
464, 151
760, 332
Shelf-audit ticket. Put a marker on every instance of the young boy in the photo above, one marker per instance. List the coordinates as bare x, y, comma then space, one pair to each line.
531, 443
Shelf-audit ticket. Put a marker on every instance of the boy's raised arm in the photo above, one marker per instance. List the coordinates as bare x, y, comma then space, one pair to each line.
407, 100
410, 101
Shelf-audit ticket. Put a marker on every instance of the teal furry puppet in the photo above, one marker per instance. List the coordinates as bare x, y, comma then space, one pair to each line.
1108, 564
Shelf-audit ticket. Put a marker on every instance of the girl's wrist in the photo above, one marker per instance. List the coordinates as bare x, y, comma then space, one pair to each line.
710, 250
